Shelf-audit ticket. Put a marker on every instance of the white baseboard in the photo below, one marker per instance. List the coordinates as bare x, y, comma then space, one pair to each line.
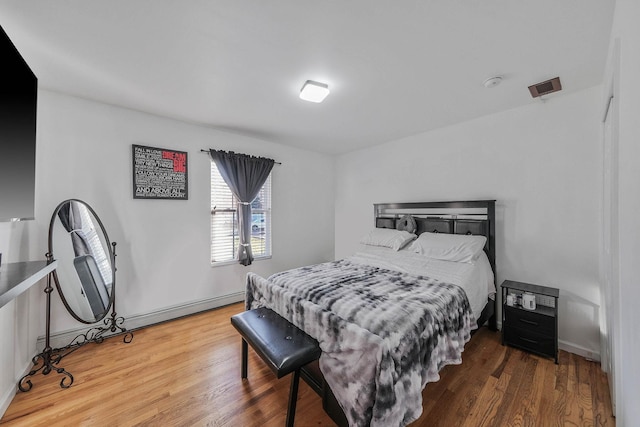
579, 350
132, 323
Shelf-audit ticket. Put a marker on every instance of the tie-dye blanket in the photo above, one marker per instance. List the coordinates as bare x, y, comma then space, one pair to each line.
384, 334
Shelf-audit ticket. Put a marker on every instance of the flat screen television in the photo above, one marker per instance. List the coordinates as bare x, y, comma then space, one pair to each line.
18, 104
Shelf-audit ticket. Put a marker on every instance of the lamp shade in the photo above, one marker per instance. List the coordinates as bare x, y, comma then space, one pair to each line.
314, 91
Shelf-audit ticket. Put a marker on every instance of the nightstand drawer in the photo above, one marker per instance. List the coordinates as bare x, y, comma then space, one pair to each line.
532, 321
537, 343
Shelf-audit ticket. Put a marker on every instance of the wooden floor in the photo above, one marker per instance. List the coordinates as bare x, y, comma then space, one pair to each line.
187, 373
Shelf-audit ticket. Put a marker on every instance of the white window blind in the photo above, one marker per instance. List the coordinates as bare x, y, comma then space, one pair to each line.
225, 236
95, 245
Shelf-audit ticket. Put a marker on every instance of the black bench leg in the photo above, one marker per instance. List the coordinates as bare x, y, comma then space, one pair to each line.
245, 355
293, 397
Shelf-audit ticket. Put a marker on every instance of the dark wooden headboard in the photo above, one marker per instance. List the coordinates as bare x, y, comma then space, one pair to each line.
476, 217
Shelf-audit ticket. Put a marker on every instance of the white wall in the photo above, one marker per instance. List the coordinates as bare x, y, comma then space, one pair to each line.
540, 162
84, 152
626, 32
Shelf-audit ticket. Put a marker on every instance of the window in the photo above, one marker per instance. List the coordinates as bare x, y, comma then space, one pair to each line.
224, 221
89, 234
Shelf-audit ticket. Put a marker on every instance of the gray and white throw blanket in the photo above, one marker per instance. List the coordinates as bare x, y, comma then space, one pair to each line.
383, 334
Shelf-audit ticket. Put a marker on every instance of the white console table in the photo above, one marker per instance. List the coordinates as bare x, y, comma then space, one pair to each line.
17, 277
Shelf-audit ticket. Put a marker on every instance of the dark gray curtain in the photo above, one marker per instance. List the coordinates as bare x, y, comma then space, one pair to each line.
71, 220
245, 175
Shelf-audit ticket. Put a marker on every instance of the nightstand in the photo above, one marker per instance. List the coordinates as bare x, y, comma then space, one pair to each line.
534, 330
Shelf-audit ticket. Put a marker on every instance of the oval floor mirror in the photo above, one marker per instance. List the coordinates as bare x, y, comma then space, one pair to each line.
85, 278
86, 272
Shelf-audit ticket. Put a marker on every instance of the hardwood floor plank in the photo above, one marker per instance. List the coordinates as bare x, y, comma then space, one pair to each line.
531, 403
187, 373
547, 404
575, 413
523, 393
515, 368
486, 405
602, 415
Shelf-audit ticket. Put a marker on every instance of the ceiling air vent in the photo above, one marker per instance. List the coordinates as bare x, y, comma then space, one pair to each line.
545, 88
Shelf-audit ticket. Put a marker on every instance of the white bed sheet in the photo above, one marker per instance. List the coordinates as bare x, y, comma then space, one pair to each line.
476, 278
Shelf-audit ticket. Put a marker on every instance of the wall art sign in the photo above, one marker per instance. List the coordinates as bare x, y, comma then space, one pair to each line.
159, 173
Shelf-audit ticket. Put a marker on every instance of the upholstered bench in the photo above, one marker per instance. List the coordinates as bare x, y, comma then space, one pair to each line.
281, 345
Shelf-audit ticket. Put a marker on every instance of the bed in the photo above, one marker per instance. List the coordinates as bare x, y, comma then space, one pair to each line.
392, 315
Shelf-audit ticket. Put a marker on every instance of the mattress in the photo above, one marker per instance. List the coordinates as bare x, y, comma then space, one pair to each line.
476, 278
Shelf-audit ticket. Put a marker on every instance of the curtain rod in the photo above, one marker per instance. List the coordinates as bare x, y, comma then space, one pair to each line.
207, 151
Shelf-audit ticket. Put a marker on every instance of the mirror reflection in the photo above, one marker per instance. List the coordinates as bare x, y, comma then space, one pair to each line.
84, 276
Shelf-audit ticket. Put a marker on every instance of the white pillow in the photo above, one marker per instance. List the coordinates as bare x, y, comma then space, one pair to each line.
388, 238
449, 247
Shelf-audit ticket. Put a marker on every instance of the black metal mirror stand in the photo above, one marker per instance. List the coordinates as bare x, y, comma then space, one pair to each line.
112, 323
48, 360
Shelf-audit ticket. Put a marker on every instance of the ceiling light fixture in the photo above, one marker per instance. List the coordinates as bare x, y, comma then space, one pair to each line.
492, 81
314, 91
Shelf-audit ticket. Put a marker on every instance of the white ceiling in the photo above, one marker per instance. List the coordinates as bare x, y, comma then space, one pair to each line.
395, 68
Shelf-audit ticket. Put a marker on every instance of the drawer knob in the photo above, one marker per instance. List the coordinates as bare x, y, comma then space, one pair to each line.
528, 340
